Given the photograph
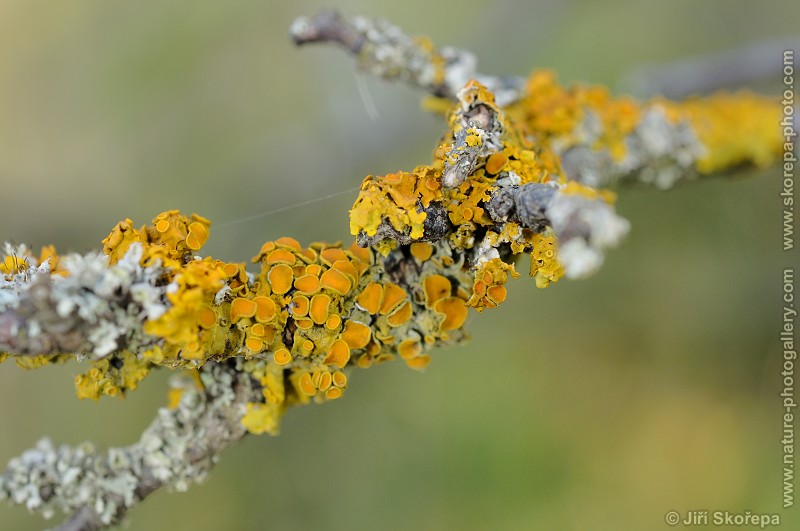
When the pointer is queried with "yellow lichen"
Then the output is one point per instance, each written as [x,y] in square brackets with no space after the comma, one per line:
[576,188]
[395,197]
[545,267]
[551,111]
[35,362]
[111,377]
[181,326]
[261,418]
[174,396]
[734,128]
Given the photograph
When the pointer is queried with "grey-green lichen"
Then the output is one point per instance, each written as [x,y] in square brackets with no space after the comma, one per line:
[111,301]
[178,449]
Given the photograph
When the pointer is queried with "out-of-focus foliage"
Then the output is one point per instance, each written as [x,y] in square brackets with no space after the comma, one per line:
[598,404]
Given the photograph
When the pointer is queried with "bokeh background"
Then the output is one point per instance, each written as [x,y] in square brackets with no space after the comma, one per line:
[598,404]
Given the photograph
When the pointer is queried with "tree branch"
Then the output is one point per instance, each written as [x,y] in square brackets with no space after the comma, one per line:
[516,173]
[707,73]
[601,141]
[179,448]
[385,51]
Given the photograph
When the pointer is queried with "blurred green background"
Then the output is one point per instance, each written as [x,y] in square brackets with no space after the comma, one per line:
[599,404]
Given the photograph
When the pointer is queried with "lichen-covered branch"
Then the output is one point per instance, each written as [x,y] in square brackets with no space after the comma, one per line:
[180,447]
[512,176]
[600,140]
[76,304]
[385,51]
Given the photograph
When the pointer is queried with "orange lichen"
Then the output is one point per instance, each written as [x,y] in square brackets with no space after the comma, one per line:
[454,310]
[181,325]
[307,284]
[734,128]
[306,385]
[419,362]
[335,281]
[300,305]
[333,322]
[280,256]
[333,393]
[116,244]
[339,379]
[489,278]
[497,294]
[348,269]
[197,236]
[262,418]
[207,318]
[254,344]
[495,163]
[401,315]
[259,330]
[338,355]
[371,297]
[576,188]
[242,308]
[436,287]
[14,264]
[304,324]
[314,269]
[393,295]
[552,111]
[421,251]
[409,348]
[362,254]
[105,378]
[318,310]
[332,254]
[266,310]
[280,278]
[231,270]
[356,334]
[289,243]
[174,396]
[282,356]
[296,324]
[324,381]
